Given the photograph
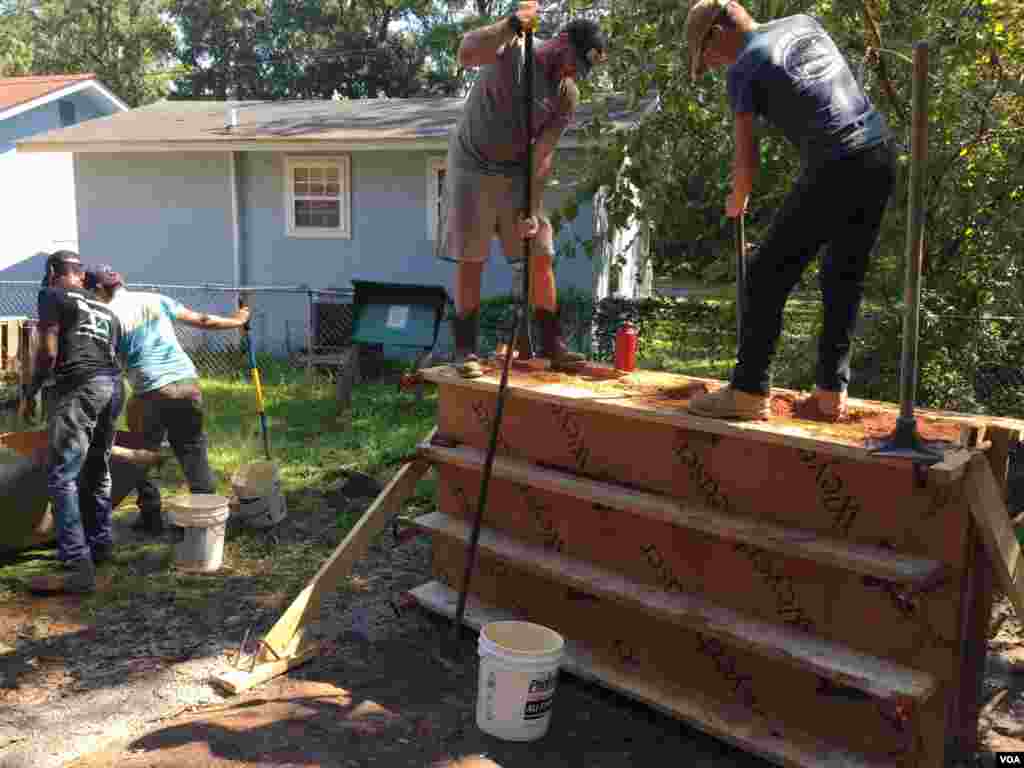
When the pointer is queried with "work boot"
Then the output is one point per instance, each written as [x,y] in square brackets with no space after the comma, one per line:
[465,330]
[827,404]
[552,345]
[732,404]
[149,521]
[102,553]
[79,576]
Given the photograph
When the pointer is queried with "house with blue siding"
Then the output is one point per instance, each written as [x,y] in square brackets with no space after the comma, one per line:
[37,192]
[300,193]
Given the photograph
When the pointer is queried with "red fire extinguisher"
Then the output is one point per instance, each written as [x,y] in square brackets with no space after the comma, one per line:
[625,347]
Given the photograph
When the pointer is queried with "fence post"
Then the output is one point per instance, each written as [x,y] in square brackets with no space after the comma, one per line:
[310,318]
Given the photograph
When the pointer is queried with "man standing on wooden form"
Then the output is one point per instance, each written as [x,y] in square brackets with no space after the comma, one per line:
[78,343]
[790,72]
[485,172]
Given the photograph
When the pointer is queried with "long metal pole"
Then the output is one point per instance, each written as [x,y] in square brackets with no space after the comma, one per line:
[915,232]
[741,276]
[520,330]
[525,345]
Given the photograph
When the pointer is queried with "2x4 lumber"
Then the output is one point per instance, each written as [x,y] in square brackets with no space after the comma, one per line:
[638,409]
[288,632]
[236,681]
[287,642]
[873,676]
[794,542]
[952,467]
[978,597]
[741,728]
[989,511]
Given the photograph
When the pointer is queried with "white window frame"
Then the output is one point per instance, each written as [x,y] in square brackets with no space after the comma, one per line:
[344,165]
[434,166]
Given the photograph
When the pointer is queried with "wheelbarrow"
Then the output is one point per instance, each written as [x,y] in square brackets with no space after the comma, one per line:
[25,516]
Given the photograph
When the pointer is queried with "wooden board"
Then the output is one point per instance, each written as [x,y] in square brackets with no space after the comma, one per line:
[288,633]
[873,676]
[580,389]
[1004,550]
[838,605]
[580,395]
[236,681]
[861,502]
[288,644]
[794,542]
[743,729]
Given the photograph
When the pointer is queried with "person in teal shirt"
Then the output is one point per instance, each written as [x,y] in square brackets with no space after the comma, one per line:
[166,398]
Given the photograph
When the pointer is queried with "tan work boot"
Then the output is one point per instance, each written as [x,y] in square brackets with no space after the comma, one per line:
[829,404]
[465,330]
[729,403]
[79,576]
[553,345]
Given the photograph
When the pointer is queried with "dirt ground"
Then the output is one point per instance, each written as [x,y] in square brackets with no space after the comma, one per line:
[129,686]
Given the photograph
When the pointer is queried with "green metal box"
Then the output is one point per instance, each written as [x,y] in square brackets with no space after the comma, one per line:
[398,314]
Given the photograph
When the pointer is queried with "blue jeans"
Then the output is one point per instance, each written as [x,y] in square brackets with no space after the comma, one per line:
[81,435]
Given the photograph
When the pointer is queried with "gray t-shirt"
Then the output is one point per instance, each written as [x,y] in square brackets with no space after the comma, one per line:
[490,136]
[791,73]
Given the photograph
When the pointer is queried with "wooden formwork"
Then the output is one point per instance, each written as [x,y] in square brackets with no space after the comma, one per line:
[10,343]
[775,584]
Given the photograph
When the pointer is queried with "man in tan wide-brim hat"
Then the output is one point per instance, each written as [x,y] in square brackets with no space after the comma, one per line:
[790,73]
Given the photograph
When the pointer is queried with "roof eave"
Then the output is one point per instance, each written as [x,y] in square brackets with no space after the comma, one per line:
[61,93]
[439,143]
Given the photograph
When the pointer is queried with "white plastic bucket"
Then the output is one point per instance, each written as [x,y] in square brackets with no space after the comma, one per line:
[260,502]
[518,676]
[202,518]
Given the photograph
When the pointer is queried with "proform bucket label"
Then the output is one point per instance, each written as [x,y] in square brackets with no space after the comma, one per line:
[540,697]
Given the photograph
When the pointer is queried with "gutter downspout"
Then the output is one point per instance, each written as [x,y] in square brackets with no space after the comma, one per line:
[236,227]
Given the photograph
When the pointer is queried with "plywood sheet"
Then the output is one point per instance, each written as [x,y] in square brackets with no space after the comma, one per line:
[651,650]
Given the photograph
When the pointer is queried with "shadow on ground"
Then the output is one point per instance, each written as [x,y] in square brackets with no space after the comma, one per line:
[395,704]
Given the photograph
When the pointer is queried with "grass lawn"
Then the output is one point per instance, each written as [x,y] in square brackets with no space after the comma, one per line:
[314,446]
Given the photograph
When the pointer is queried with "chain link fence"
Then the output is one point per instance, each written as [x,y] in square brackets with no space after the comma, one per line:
[968,363]
[287,323]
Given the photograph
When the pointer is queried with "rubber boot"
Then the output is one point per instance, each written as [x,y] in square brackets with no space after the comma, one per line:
[149,521]
[465,330]
[553,346]
[78,576]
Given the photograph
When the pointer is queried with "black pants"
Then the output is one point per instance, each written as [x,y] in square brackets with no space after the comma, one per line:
[177,412]
[839,205]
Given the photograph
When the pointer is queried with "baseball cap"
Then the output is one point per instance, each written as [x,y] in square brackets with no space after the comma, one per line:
[61,263]
[702,16]
[102,276]
[585,36]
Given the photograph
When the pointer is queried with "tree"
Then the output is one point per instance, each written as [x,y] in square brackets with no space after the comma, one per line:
[125,43]
[15,41]
[678,176]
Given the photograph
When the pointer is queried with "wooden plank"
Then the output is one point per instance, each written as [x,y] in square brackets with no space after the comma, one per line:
[985,498]
[978,597]
[873,676]
[236,681]
[791,435]
[732,724]
[289,631]
[805,544]
[952,467]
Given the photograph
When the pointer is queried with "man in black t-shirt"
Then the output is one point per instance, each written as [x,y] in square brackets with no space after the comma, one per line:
[78,343]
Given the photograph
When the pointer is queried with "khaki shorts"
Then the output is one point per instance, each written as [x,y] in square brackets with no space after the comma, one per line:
[478,206]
